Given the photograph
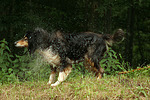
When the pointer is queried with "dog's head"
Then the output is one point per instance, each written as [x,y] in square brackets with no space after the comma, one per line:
[22,42]
[25,41]
[33,40]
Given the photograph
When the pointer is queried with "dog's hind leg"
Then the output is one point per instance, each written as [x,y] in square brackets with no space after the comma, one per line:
[96,68]
[52,76]
[63,75]
[97,56]
[100,72]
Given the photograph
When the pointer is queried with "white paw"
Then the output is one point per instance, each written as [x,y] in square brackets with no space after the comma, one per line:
[55,84]
[49,82]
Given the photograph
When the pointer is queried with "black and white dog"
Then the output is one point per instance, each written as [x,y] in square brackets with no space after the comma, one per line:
[60,50]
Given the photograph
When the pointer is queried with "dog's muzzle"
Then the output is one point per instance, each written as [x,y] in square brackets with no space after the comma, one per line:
[21,43]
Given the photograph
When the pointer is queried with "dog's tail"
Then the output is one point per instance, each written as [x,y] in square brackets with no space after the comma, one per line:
[117,37]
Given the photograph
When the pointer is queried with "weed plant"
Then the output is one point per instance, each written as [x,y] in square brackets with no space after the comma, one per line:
[32,68]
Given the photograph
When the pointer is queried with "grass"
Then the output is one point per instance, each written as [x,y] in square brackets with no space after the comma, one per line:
[88,87]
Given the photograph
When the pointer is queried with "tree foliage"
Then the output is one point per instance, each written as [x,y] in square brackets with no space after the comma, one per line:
[102,16]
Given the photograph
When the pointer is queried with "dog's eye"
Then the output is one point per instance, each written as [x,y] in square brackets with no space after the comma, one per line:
[30,37]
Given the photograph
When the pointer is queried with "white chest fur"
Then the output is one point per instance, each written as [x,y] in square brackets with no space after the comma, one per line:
[50,57]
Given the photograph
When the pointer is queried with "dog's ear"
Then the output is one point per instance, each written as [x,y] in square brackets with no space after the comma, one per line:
[28,33]
[31,41]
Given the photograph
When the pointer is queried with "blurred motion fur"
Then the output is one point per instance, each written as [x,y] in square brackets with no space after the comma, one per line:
[61,50]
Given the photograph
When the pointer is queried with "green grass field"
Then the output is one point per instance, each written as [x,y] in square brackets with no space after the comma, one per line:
[81,87]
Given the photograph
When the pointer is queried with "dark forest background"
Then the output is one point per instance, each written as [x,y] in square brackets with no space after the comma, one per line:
[101,16]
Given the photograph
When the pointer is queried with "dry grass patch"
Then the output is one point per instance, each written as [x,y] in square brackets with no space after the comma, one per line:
[79,88]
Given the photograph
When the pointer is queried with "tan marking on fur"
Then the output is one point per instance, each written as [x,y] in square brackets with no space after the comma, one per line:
[91,50]
[89,61]
[59,34]
[109,42]
[69,60]
[89,65]
[63,75]
[93,33]
[21,43]
[25,38]
[52,77]
[101,71]
[99,76]
[68,69]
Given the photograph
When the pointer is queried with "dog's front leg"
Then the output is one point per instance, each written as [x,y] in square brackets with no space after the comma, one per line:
[52,76]
[63,75]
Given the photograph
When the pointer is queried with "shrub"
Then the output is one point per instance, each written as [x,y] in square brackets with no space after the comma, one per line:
[111,63]
[6,63]
[20,68]
[29,68]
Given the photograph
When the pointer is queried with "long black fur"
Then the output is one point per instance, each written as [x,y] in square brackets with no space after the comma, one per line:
[73,46]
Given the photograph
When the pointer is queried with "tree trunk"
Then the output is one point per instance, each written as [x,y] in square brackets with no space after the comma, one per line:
[10,27]
[140,48]
[93,15]
[130,33]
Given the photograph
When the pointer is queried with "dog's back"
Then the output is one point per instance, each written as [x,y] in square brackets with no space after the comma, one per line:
[90,43]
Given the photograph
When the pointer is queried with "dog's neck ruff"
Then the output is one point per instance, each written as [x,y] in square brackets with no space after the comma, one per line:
[50,56]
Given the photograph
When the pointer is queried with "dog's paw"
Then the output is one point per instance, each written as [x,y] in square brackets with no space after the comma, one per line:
[99,76]
[49,82]
[55,84]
